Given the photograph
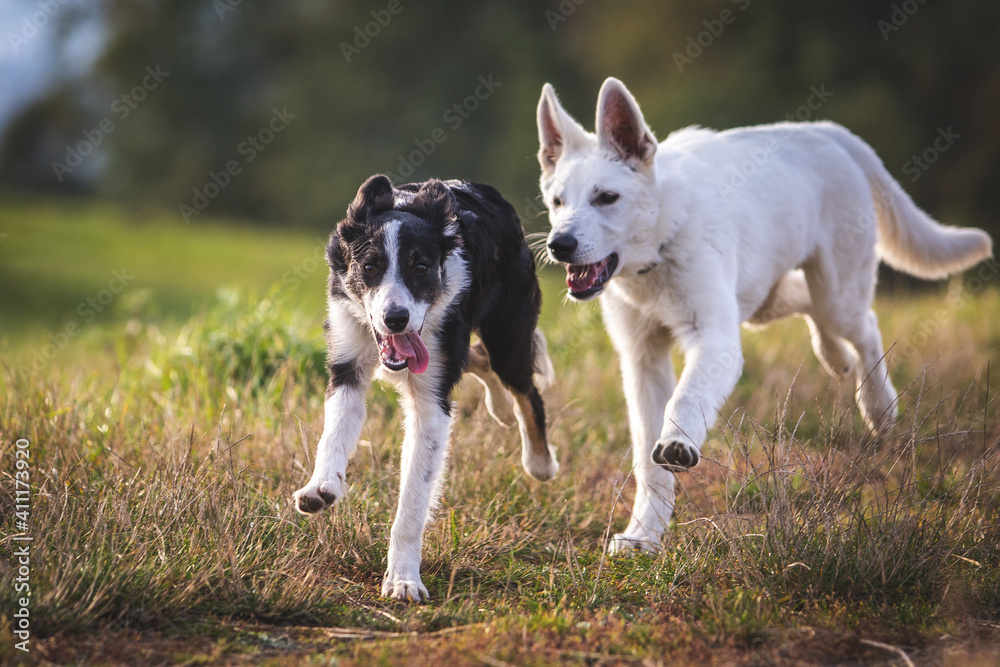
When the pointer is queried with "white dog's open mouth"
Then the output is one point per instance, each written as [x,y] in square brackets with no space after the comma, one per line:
[587,280]
[405,350]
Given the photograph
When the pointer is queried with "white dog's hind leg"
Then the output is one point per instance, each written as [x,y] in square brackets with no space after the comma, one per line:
[833,353]
[876,396]
[425,449]
[791,296]
[843,284]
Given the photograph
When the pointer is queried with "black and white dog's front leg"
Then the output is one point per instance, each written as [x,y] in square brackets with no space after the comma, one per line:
[425,449]
[344,415]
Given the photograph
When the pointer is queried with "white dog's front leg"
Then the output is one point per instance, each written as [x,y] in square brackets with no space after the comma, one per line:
[424,452]
[344,415]
[648,381]
[712,365]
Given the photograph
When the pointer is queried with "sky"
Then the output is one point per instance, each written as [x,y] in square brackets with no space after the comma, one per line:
[33,55]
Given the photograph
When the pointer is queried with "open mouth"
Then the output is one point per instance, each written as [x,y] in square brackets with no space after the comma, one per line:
[587,280]
[401,351]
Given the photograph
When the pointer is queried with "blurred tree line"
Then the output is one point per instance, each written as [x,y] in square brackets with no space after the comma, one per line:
[277,111]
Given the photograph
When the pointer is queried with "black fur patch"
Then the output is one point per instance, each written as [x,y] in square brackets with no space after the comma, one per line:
[347,373]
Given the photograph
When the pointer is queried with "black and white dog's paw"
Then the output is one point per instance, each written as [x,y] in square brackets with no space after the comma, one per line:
[675,454]
[317,496]
[542,467]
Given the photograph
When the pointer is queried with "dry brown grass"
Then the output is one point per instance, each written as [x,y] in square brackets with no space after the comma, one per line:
[163,529]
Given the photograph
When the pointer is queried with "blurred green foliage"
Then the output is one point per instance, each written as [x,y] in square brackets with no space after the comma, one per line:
[362,88]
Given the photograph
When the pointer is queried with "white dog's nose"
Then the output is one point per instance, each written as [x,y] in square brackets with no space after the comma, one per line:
[562,246]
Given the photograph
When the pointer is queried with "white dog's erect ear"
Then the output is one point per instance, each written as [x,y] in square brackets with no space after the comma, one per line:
[621,127]
[556,129]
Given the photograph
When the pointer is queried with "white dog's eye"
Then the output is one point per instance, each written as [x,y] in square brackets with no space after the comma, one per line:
[606,198]
[556,202]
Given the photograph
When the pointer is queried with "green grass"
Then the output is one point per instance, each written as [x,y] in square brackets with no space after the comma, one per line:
[167,438]
[56,255]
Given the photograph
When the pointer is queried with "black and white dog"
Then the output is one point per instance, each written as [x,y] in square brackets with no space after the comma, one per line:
[414,272]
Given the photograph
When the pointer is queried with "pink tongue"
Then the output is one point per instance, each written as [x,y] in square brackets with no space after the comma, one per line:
[581,279]
[412,348]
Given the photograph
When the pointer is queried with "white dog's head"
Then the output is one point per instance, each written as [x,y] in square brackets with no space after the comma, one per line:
[600,189]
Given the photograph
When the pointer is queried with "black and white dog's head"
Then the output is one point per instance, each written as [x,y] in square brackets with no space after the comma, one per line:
[388,256]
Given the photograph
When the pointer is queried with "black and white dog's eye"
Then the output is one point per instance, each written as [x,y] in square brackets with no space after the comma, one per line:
[606,198]
[369,268]
[420,267]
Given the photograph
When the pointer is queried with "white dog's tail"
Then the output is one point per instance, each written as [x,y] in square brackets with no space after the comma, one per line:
[909,239]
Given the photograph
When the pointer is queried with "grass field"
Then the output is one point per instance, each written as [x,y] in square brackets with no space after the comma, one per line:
[168,431]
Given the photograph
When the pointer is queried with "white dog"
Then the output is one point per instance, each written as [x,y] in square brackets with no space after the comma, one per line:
[683,253]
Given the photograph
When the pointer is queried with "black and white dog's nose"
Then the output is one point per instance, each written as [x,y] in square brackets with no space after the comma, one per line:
[396,318]
[563,246]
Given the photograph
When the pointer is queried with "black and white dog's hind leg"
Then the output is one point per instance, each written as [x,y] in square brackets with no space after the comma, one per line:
[506,405]
[518,354]
[499,402]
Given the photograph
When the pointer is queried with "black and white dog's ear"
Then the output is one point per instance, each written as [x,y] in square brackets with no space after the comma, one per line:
[557,130]
[374,196]
[621,127]
[435,204]
[336,257]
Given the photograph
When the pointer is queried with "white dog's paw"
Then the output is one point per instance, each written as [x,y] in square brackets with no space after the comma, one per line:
[541,467]
[317,496]
[404,590]
[676,454]
[622,544]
